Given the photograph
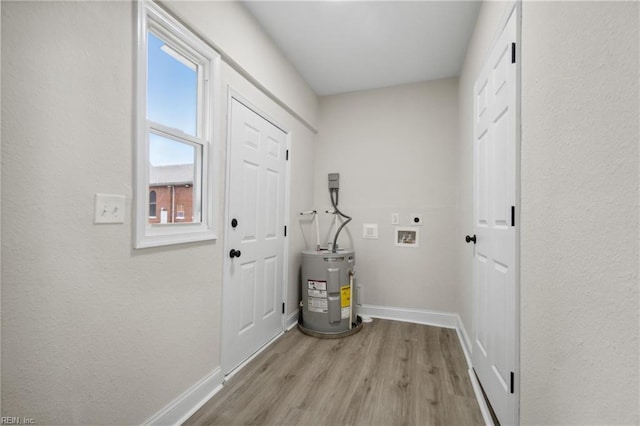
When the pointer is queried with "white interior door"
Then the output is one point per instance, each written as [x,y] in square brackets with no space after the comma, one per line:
[495,266]
[254,244]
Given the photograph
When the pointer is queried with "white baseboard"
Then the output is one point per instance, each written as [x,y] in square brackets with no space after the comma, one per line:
[484,409]
[185,405]
[435,318]
[464,340]
[291,320]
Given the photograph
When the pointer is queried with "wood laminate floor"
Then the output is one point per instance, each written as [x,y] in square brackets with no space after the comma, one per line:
[390,373]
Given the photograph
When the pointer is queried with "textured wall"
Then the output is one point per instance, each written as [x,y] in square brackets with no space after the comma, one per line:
[580,117]
[94,332]
[395,150]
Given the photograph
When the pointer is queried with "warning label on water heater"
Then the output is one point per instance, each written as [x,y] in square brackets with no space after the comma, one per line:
[317,288]
[317,305]
[317,285]
[317,292]
[345,296]
[345,301]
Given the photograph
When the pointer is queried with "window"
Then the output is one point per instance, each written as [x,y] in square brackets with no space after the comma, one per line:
[176,74]
[152,204]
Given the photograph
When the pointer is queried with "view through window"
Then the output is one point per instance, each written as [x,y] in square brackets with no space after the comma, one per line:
[172,101]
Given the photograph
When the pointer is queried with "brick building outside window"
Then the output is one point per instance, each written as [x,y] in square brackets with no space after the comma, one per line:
[171,194]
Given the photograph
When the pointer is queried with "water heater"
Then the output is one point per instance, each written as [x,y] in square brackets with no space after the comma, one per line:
[328,294]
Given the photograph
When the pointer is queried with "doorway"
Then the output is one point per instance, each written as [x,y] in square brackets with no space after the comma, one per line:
[254,279]
[495,349]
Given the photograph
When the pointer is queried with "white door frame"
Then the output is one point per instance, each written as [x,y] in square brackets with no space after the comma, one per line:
[515,9]
[233,93]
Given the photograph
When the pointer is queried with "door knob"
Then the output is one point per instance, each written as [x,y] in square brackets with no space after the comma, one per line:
[234,223]
[234,253]
[469,239]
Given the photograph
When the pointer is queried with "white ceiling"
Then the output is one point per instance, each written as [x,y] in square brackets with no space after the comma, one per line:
[345,46]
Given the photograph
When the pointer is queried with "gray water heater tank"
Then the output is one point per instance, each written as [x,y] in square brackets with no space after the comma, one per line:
[328,300]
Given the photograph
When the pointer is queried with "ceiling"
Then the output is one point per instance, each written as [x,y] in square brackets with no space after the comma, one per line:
[345,46]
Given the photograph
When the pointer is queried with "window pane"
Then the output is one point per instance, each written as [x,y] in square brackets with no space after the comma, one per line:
[172,87]
[174,176]
[152,204]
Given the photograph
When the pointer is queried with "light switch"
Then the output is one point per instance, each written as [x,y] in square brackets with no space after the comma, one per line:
[395,218]
[109,208]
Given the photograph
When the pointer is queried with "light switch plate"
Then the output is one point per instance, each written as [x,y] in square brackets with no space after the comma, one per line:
[109,208]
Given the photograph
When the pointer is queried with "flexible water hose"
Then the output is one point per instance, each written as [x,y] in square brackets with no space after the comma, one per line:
[335,207]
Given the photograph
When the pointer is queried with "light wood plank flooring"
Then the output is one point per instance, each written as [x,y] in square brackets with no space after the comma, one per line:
[390,373]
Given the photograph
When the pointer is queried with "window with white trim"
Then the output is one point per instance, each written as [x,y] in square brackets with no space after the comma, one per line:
[175,79]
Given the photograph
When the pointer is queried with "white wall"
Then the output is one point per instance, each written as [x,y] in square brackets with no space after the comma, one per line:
[235,33]
[395,150]
[94,332]
[580,118]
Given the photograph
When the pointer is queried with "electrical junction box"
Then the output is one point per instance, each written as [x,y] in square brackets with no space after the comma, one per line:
[334,180]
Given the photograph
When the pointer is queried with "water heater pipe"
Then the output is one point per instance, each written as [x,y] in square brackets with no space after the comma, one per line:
[335,207]
[350,299]
[315,218]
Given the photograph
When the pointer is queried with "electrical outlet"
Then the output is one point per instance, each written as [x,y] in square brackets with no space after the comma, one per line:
[109,208]
[395,218]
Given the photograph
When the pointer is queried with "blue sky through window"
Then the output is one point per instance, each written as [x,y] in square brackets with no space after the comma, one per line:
[172,93]
[165,152]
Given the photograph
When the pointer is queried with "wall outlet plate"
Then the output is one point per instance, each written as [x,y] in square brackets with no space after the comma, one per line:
[370,231]
[109,208]
[395,218]
[416,220]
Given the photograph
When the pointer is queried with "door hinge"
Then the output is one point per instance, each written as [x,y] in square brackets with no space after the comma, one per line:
[283,313]
[513,53]
[285,231]
[513,215]
[287,155]
[512,382]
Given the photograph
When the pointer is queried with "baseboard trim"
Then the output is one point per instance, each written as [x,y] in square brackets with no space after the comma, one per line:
[185,405]
[464,340]
[292,320]
[418,316]
[484,409]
